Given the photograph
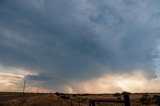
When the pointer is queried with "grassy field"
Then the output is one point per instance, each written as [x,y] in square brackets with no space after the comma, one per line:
[60,99]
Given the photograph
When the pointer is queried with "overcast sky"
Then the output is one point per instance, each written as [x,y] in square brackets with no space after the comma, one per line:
[80,45]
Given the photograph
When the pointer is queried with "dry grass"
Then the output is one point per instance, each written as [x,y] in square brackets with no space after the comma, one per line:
[53,100]
[42,100]
[46,100]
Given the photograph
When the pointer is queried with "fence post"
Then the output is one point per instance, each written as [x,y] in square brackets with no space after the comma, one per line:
[60,103]
[71,103]
[126,99]
[92,103]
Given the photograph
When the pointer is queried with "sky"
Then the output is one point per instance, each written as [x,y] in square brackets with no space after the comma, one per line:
[80,46]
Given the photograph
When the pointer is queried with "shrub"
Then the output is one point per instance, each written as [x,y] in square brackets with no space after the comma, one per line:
[118,95]
[156,99]
[57,94]
[65,97]
[123,93]
[145,99]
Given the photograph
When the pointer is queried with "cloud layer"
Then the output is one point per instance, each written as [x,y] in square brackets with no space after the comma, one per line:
[68,40]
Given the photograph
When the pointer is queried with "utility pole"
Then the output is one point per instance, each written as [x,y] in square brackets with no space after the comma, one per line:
[37,89]
[24,86]
[42,90]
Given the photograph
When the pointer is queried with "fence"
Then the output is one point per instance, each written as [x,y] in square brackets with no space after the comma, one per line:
[126,100]
[70,103]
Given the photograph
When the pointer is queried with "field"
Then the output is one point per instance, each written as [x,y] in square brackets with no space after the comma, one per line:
[60,99]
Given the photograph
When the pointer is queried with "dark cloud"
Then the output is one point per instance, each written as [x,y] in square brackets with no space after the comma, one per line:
[39,77]
[70,39]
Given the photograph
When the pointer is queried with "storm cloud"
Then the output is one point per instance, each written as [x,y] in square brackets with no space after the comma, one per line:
[67,40]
